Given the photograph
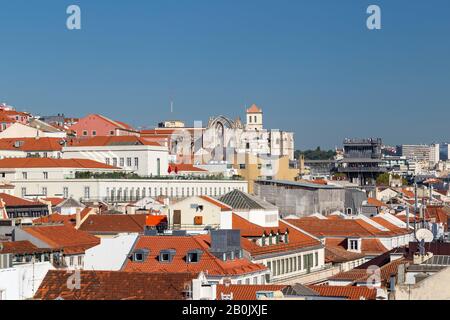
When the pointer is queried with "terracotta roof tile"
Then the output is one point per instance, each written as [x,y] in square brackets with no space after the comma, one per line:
[182,245]
[221,205]
[102,141]
[338,255]
[53,200]
[361,275]
[53,163]
[31,144]
[185,167]
[62,236]
[114,223]
[57,218]
[297,239]
[12,201]
[334,227]
[376,203]
[17,247]
[109,285]
[348,292]
[254,109]
[369,246]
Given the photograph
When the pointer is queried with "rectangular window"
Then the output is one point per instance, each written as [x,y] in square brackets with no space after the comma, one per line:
[85,133]
[115,162]
[44,191]
[299,263]
[45,175]
[65,192]
[111,133]
[316,260]
[24,176]
[87,192]
[122,162]
[129,162]
[80,260]
[24,192]
[136,162]
[353,244]
[94,133]
[107,161]
[242,166]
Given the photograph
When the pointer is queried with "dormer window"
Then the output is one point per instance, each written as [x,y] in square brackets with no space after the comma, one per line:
[354,245]
[166,256]
[140,255]
[232,255]
[194,256]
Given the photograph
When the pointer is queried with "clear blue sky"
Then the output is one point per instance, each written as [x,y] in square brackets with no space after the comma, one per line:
[313,66]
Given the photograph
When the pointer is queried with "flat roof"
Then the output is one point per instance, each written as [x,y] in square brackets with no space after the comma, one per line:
[300,184]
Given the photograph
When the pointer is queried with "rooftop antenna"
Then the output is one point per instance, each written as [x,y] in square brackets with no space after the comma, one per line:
[423,236]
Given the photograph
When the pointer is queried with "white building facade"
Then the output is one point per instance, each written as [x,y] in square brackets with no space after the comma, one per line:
[145,160]
[124,190]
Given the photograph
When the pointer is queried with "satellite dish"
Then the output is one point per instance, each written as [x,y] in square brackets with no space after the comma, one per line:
[425,235]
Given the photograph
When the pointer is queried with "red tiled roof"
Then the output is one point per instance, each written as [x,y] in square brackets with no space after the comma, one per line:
[118,124]
[63,236]
[54,201]
[53,163]
[185,167]
[349,292]
[375,202]
[6,119]
[254,109]
[438,214]
[12,201]
[297,239]
[116,285]
[217,203]
[17,247]
[361,275]
[370,246]
[383,222]
[13,113]
[57,218]
[31,144]
[114,223]
[335,254]
[101,141]
[208,262]
[407,193]
[339,227]
[245,292]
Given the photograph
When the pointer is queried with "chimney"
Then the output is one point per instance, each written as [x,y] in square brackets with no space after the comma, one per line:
[78,219]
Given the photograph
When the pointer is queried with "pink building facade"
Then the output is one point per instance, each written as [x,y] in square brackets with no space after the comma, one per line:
[97,125]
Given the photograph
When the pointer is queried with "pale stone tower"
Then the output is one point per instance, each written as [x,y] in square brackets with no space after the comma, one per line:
[254,118]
